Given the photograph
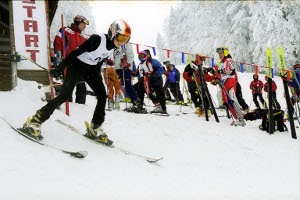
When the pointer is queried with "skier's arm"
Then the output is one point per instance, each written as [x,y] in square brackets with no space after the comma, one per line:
[89,45]
[150,68]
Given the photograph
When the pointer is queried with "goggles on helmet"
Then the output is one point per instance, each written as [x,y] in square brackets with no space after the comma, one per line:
[221,49]
[122,38]
[87,22]
[142,56]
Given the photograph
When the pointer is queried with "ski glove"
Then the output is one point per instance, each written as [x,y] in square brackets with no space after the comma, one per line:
[56,73]
[109,62]
[125,64]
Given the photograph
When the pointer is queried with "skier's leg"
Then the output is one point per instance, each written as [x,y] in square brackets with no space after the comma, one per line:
[32,125]
[255,101]
[80,93]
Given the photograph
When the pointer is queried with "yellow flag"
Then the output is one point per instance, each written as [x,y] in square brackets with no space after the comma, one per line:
[269,61]
[280,54]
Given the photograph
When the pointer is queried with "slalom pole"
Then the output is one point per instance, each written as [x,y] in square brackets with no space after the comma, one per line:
[63,56]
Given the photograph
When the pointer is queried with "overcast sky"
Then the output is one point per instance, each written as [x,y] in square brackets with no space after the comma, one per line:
[144,17]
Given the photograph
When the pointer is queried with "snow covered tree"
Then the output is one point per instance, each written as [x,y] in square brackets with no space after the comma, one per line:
[247,28]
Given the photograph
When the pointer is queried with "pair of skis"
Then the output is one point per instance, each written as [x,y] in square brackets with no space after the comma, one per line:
[203,90]
[283,73]
[76,154]
[72,128]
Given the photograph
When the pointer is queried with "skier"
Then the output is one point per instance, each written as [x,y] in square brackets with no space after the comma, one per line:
[144,69]
[228,81]
[73,37]
[275,103]
[156,85]
[174,79]
[192,77]
[167,83]
[256,86]
[84,63]
[124,64]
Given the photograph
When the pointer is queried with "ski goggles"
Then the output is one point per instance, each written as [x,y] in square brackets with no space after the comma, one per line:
[86,21]
[221,49]
[122,38]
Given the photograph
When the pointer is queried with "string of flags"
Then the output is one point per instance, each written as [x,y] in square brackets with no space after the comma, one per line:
[241,64]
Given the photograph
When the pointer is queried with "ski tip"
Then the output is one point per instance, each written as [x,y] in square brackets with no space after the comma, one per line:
[79,154]
[151,160]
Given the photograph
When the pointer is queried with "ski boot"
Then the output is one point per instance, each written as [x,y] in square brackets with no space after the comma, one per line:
[239,122]
[197,110]
[117,102]
[136,107]
[32,127]
[157,109]
[201,112]
[164,112]
[92,132]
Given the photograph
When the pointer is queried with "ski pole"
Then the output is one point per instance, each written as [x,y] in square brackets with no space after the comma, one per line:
[124,84]
[51,85]
[106,70]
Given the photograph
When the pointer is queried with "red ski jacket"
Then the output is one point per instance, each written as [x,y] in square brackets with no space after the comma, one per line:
[73,39]
[274,86]
[256,86]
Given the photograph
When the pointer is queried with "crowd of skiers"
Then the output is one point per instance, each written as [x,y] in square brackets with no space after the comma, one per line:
[82,59]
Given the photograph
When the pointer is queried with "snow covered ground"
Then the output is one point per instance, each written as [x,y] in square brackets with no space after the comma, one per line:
[201,160]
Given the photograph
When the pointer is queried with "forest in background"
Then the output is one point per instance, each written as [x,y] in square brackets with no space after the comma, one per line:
[247,28]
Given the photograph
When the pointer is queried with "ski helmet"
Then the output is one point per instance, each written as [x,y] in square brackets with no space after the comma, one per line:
[296,66]
[80,19]
[255,76]
[120,30]
[143,56]
[224,49]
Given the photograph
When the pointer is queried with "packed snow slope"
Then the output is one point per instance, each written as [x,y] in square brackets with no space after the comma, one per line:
[201,160]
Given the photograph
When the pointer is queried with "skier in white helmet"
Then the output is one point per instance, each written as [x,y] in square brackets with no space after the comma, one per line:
[84,63]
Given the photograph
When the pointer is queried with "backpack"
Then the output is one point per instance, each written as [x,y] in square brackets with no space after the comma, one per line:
[254,115]
[278,121]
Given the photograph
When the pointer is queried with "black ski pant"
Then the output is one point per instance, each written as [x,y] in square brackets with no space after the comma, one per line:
[175,89]
[80,93]
[75,73]
[156,89]
[239,96]
[261,99]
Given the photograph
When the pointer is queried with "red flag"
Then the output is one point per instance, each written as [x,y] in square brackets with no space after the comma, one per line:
[256,69]
[289,75]
[168,53]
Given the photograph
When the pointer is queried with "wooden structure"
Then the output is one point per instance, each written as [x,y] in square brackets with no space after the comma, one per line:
[8,69]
